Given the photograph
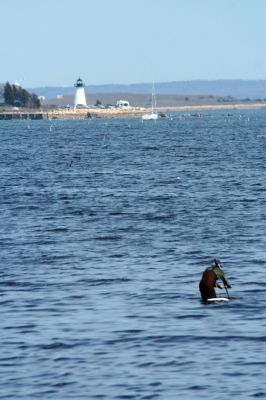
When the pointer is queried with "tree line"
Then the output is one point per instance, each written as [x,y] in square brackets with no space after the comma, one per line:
[15,95]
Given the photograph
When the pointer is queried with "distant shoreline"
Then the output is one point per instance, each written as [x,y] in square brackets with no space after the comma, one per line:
[139,111]
[119,113]
[235,106]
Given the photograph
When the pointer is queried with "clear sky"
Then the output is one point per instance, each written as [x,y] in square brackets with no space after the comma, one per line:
[52,42]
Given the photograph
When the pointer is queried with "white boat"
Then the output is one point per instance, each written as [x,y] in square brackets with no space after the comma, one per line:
[152,114]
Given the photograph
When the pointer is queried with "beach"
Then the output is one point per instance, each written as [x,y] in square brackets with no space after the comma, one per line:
[139,111]
[131,112]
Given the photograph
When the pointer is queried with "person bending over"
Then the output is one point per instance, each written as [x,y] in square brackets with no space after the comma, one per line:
[208,280]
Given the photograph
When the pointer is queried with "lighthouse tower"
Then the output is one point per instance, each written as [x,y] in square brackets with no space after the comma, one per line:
[80,98]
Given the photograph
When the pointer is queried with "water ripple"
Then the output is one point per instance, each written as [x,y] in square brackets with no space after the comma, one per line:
[104,234]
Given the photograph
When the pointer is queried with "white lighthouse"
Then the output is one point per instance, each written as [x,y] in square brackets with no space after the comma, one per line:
[80,98]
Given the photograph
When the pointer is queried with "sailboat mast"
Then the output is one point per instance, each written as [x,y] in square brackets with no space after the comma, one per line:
[153,98]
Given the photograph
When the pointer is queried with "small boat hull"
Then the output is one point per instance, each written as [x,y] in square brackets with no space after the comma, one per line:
[150,116]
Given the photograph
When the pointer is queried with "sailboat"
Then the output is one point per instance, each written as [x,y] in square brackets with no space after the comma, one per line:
[152,114]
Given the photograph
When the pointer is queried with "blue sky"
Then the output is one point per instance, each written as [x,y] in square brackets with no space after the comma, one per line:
[52,42]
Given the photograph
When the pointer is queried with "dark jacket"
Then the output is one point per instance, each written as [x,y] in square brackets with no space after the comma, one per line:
[208,281]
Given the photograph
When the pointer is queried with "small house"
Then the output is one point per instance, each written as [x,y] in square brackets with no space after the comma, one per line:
[122,104]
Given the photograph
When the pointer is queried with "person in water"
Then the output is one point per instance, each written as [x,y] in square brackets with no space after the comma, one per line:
[208,280]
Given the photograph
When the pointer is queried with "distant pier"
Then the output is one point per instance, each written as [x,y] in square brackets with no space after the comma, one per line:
[20,115]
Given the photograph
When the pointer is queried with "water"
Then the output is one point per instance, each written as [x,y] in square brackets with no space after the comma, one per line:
[106,227]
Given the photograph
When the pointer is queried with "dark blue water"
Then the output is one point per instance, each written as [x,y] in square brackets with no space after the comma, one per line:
[106,227]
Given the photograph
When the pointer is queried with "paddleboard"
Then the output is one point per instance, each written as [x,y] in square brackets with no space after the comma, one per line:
[217,299]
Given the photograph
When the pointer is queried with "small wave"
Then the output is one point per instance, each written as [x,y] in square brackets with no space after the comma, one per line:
[117,256]
[129,331]
[83,212]
[160,198]
[16,284]
[117,213]
[58,229]
[191,316]
[107,281]
[62,384]
[108,237]
[56,345]
[170,339]
[156,217]
[149,148]
[198,387]
[259,394]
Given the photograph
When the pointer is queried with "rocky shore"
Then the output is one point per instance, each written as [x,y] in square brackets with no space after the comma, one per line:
[131,112]
[96,113]
[139,111]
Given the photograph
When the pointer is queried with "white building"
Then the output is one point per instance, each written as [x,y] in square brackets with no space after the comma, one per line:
[80,98]
[122,104]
